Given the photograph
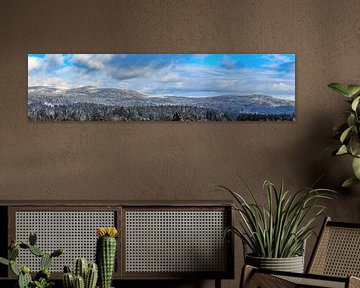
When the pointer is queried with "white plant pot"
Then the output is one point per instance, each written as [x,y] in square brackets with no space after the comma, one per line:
[291,264]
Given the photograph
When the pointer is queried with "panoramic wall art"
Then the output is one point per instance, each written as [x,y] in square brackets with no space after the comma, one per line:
[161,87]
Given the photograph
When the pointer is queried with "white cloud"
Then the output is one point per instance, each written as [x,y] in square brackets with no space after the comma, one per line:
[48,81]
[275,60]
[227,62]
[34,63]
[281,86]
[131,72]
[52,61]
[48,63]
[92,61]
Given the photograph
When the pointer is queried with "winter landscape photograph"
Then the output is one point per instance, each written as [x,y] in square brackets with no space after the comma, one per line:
[161,87]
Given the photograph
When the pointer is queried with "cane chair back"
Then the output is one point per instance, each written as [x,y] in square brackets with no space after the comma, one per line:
[337,252]
[335,262]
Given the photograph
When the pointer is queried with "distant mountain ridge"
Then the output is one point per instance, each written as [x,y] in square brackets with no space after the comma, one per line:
[257,103]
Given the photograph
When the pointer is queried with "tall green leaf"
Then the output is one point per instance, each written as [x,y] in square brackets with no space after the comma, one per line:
[356,167]
[345,134]
[340,88]
[355,103]
[353,89]
[342,150]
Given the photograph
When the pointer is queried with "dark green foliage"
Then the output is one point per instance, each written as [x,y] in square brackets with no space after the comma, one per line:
[176,117]
[37,111]
[348,132]
[265,117]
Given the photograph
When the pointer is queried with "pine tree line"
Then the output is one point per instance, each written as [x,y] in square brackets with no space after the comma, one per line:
[98,112]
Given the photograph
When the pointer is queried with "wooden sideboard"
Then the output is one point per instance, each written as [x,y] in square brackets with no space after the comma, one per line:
[164,240]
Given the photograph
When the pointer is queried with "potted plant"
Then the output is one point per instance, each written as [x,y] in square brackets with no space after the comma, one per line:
[275,233]
[84,274]
[106,254]
[42,278]
[348,133]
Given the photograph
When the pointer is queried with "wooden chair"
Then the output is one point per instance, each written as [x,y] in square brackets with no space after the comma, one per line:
[335,262]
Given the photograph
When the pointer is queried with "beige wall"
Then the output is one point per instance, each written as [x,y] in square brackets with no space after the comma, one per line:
[177,160]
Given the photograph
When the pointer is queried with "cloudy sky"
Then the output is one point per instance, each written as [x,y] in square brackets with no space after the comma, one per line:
[191,75]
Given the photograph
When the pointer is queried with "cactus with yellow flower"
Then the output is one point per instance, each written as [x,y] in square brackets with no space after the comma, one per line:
[106,254]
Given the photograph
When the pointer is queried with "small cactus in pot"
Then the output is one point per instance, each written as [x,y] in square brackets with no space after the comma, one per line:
[85,275]
[106,254]
[91,276]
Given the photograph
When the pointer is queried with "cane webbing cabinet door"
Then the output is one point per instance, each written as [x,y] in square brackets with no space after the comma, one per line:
[176,242]
[71,228]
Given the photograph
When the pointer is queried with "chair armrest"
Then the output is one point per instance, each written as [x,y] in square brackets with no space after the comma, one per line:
[252,277]
[354,282]
[255,277]
[246,274]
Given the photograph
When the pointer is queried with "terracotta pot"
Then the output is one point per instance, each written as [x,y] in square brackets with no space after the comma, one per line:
[291,264]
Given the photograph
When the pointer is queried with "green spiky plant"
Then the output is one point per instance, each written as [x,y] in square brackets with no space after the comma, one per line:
[42,278]
[106,254]
[85,275]
[279,229]
[348,132]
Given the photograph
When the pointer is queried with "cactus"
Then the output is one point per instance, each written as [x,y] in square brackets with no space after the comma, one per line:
[68,280]
[80,268]
[45,261]
[32,238]
[90,272]
[24,280]
[14,268]
[79,282]
[13,253]
[36,251]
[57,253]
[91,276]
[105,254]
[24,245]
[42,278]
